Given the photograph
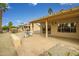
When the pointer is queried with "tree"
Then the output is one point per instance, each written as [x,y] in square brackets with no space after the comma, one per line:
[50,12]
[10,25]
[5,27]
[61,10]
[3,8]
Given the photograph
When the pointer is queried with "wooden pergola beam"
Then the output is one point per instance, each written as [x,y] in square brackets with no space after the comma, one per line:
[60,15]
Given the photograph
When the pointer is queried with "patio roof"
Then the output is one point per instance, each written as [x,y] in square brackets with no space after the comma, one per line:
[73,12]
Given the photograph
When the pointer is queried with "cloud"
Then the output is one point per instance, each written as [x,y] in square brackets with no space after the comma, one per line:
[18,21]
[8,6]
[66,3]
[33,4]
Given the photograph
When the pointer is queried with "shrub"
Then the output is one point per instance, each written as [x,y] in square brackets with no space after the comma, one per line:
[49,54]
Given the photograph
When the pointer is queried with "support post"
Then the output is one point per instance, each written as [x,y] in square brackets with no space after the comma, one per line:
[32,27]
[41,28]
[46,28]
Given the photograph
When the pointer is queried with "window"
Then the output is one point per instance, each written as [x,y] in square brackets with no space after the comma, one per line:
[67,27]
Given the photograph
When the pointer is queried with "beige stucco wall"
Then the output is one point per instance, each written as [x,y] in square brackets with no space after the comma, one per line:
[36,27]
[54,27]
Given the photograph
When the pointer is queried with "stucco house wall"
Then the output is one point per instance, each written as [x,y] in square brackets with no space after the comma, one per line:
[54,28]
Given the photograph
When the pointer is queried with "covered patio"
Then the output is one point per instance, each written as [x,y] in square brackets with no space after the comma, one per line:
[71,15]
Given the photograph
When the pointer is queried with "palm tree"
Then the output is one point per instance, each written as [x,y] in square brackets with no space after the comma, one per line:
[3,8]
[50,12]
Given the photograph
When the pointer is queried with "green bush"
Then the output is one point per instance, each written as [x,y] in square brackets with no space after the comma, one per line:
[67,54]
[49,54]
[5,27]
[77,54]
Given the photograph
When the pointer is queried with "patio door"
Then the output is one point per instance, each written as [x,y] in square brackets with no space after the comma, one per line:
[49,29]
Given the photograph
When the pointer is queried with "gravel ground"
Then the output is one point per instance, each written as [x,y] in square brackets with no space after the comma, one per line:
[61,50]
[38,45]
[6,45]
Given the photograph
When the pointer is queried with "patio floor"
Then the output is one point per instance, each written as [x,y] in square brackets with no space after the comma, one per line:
[36,44]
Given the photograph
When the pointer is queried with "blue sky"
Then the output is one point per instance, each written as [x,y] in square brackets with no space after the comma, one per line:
[24,12]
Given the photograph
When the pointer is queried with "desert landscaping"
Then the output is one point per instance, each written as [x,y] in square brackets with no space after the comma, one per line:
[56,34]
